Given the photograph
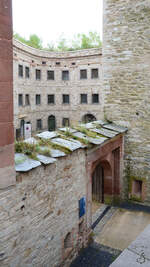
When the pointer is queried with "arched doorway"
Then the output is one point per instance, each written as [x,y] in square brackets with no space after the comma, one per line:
[98,184]
[51,123]
[88,118]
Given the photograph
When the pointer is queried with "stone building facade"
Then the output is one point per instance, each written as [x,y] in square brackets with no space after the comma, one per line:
[126,83]
[52,89]
[7,171]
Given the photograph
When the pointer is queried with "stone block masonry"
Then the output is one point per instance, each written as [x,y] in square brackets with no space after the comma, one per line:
[7,173]
[46,218]
[37,214]
[126,81]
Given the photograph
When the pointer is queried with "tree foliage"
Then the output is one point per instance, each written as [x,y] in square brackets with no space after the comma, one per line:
[33,40]
[79,41]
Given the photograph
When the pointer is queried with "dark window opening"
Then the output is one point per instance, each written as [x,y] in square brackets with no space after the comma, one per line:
[65,75]
[39,124]
[65,99]
[38,74]
[38,99]
[27,72]
[67,241]
[32,61]
[20,70]
[50,75]
[73,63]
[20,100]
[83,98]
[18,134]
[43,62]
[27,100]
[88,118]
[83,74]
[65,122]
[57,63]
[95,98]
[94,73]
[50,99]
[137,188]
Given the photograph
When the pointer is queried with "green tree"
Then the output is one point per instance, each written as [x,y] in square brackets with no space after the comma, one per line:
[20,38]
[35,41]
[79,41]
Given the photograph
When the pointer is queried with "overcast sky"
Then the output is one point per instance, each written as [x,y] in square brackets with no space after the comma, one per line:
[50,18]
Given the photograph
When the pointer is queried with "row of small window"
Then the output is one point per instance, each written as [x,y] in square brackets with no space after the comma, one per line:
[39,126]
[51,74]
[51,99]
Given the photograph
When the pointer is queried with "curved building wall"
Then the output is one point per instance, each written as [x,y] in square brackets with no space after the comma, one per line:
[84,62]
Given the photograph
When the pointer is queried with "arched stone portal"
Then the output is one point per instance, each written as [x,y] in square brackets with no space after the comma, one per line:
[88,118]
[102,186]
[51,123]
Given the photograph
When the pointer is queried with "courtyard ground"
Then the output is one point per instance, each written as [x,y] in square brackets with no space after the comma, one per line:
[113,233]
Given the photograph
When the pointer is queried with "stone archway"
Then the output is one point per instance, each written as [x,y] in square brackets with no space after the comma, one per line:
[102,182]
[51,123]
[88,118]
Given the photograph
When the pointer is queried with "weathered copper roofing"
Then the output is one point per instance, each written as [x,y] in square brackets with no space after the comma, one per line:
[64,137]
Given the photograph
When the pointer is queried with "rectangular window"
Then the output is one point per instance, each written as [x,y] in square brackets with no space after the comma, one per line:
[39,124]
[83,98]
[38,99]
[27,100]
[65,75]
[38,74]
[65,99]
[20,70]
[95,98]
[50,99]
[27,72]
[65,122]
[58,63]
[50,75]
[20,100]
[83,74]
[94,73]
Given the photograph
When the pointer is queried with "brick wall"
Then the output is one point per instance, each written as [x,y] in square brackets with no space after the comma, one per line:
[7,175]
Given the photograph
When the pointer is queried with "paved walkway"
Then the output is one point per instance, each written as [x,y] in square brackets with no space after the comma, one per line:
[121,229]
[115,231]
[137,254]
[95,256]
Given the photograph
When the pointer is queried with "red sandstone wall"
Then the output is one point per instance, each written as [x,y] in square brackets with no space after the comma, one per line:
[7,174]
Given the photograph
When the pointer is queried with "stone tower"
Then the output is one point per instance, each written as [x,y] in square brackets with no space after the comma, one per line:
[126,87]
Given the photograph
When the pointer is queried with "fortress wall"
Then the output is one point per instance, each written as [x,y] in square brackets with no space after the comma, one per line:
[126,86]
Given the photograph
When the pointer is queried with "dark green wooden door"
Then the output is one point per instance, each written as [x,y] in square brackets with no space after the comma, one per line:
[51,123]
